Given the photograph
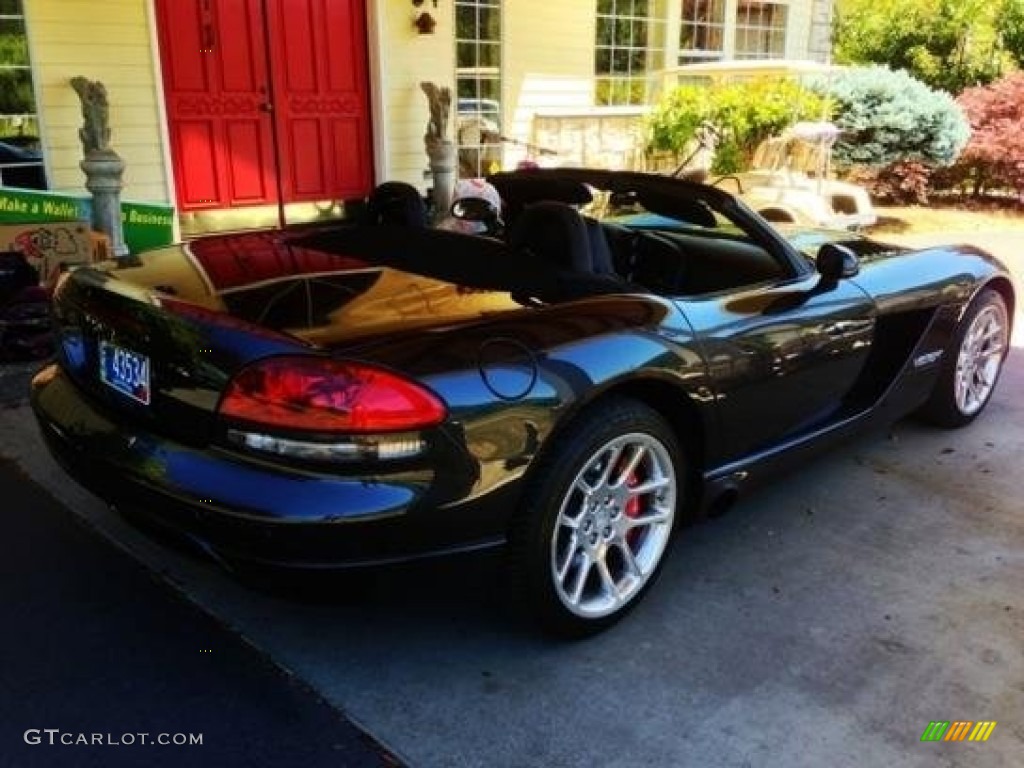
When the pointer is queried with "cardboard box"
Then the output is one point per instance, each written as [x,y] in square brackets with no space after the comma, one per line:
[49,246]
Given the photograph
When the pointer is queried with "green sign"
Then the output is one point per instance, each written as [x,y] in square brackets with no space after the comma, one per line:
[22,206]
[146,225]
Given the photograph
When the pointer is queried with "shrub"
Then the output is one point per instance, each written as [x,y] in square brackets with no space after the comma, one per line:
[743,115]
[889,116]
[994,157]
[905,182]
[675,120]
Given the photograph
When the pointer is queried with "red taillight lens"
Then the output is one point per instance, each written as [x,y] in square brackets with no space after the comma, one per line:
[319,395]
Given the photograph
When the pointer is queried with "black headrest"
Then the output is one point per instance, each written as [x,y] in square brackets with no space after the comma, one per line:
[395,203]
[520,190]
[556,233]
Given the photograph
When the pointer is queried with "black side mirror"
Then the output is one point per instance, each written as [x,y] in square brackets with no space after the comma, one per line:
[836,262]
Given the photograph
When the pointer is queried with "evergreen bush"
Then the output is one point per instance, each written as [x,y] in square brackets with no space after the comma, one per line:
[888,116]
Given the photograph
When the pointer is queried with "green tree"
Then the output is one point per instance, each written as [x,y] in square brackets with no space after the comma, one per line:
[743,114]
[1010,23]
[948,44]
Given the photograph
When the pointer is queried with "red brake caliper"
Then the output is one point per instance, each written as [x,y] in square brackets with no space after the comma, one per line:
[632,507]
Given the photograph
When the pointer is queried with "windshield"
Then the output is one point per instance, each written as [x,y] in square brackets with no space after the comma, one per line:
[790,154]
[642,211]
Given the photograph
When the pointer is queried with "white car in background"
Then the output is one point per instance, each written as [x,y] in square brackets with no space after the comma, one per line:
[790,182]
[790,179]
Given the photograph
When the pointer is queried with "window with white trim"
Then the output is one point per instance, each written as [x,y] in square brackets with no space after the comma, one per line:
[701,31]
[761,30]
[21,155]
[630,49]
[478,86]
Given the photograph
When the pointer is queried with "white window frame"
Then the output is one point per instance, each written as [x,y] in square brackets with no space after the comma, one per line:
[479,117]
[696,54]
[748,30]
[675,54]
[36,96]
[657,22]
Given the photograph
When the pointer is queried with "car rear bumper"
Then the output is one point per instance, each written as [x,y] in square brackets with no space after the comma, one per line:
[242,509]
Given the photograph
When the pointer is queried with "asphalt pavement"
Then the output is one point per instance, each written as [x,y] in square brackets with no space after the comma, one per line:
[104,664]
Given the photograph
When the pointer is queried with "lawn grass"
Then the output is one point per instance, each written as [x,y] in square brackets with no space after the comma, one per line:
[918,219]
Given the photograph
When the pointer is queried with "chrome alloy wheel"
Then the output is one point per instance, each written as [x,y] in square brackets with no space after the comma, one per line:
[613,525]
[981,355]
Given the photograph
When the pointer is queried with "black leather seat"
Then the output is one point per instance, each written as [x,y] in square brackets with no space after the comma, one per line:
[395,203]
[600,249]
[557,235]
[658,264]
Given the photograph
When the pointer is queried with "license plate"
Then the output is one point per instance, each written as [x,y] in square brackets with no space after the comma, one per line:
[125,371]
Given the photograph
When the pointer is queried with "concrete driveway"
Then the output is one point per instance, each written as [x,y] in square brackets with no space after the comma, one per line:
[824,622]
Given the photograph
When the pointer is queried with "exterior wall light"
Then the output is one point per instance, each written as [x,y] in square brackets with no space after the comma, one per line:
[424,21]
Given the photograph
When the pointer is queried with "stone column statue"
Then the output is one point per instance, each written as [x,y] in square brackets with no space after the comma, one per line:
[103,167]
[440,149]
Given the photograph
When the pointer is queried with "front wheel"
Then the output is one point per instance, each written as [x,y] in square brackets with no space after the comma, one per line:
[968,374]
[597,518]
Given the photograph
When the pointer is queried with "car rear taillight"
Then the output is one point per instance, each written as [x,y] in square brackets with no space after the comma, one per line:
[312,394]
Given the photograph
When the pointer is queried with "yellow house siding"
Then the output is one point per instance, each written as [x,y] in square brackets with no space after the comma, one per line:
[405,59]
[547,61]
[819,37]
[548,50]
[106,40]
[798,32]
[544,65]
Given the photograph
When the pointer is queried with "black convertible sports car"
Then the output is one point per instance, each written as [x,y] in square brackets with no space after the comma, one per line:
[630,351]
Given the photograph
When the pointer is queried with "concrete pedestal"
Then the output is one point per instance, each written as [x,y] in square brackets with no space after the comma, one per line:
[442,155]
[104,171]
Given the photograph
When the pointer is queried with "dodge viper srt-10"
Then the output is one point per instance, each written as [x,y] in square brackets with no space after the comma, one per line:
[627,351]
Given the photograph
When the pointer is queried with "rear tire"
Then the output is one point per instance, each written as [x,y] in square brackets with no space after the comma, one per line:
[972,364]
[597,518]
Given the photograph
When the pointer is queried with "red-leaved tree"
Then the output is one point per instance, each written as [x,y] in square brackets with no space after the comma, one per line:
[994,157]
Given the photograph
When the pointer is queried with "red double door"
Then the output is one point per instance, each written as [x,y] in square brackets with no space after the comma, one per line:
[267,100]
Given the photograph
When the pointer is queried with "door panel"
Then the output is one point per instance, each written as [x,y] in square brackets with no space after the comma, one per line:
[241,58]
[345,133]
[320,79]
[195,140]
[215,85]
[308,168]
[180,32]
[782,357]
[223,112]
[248,174]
